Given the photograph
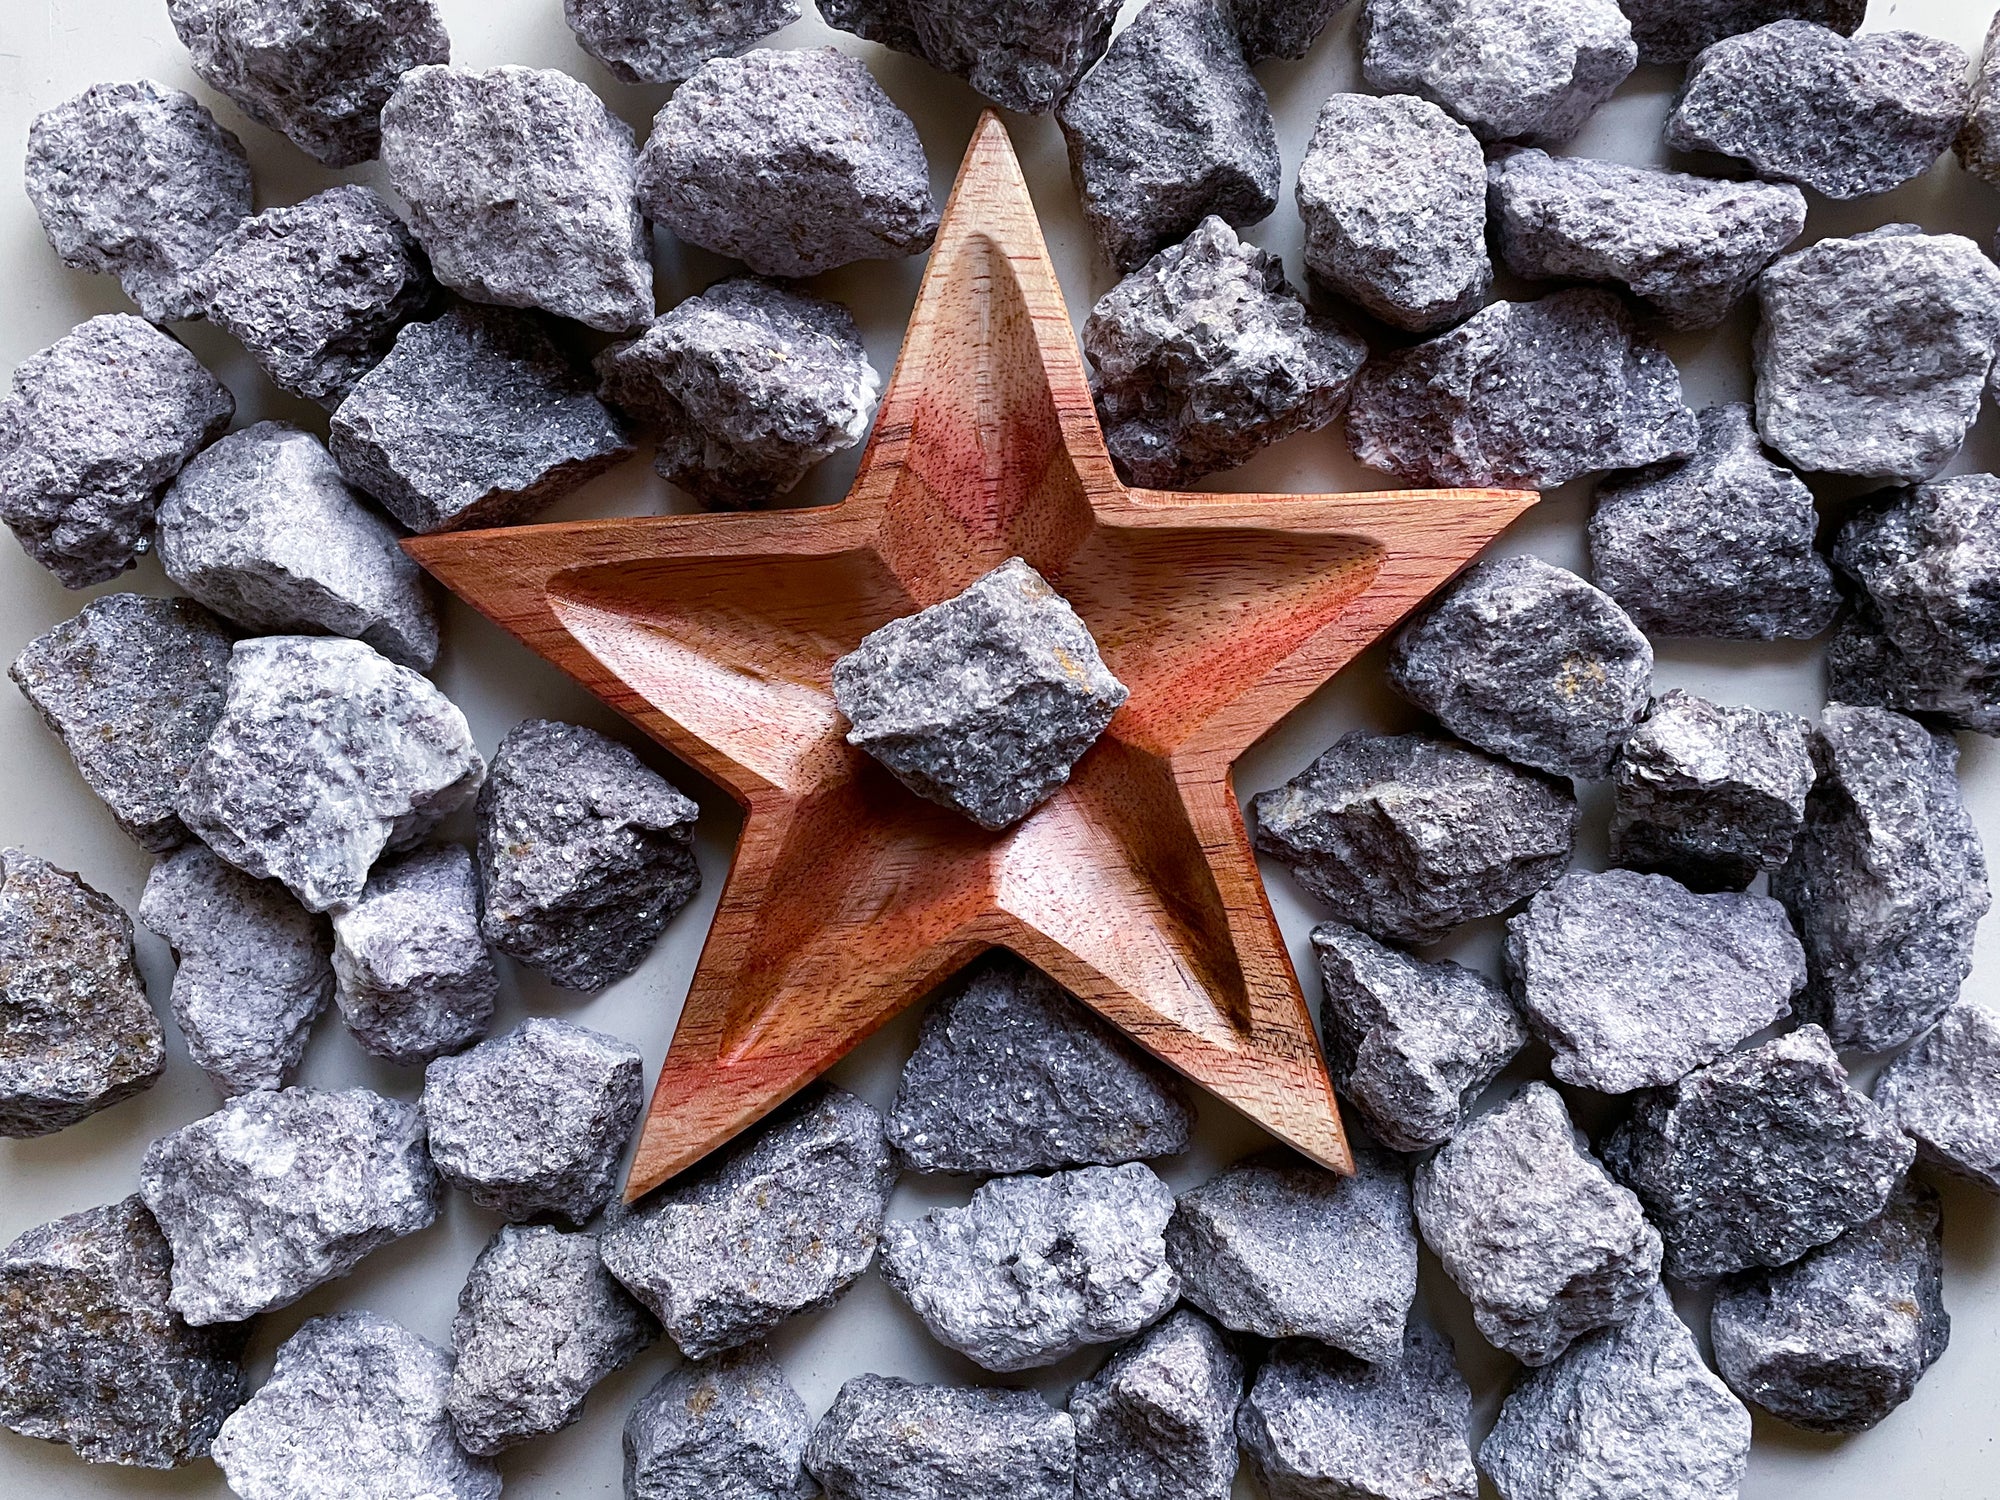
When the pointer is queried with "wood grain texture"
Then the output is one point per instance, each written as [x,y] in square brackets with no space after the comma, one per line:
[1135,885]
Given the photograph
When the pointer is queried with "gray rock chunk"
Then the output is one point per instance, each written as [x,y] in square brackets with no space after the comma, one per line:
[415,978]
[585,853]
[1159,1421]
[1978,141]
[1526,660]
[794,162]
[96,427]
[1023,55]
[887,1439]
[727,1428]
[255,968]
[277,1193]
[1944,1093]
[1887,881]
[1674,31]
[1206,354]
[1013,1074]
[137,181]
[133,687]
[800,1202]
[665,41]
[1281,28]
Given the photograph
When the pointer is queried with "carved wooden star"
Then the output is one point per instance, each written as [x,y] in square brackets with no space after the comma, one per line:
[1134,885]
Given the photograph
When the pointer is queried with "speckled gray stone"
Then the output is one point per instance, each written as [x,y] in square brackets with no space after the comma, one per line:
[1281,28]
[1526,660]
[1023,54]
[1533,1230]
[279,1192]
[1978,141]
[354,1410]
[536,1121]
[137,181]
[1887,882]
[133,686]
[799,1201]
[1945,1094]
[1206,354]
[887,1439]
[255,968]
[416,980]
[1159,1421]
[794,162]
[1406,836]
[664,41]
[1013,1074]
[1845,116]
[97,426]
[1674,31]
[585,854]
[727,1428]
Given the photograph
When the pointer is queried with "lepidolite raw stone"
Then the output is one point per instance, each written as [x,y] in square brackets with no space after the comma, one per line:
[355,1407]
[1755,1159]
[1836,1341]
[800,1203]
[794,162]
[1526,660]
[887,1439]
[279,1192]
[416,980]
[1533,1230]
[536,1121]
[1945,1094]
[664,41]
[1013,1074]
[748,386]
[1206,354]
[1159,1421]
[92,1356]
[97,426]
[1023,54]
[1887,881]
[727,1428]
[76,1032]
[133,686]
[585,853]
[1979,140]
[1674,31]
[137,181]
[255,968]
[1281,28]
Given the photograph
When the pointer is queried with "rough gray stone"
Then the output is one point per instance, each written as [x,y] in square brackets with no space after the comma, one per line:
[983,702]
[1720,546]
[1477,406]
[137,181]
[536,1121]
[1206,354]
[1013,1074]
[1979,139]
[1674,31]
[1406,836]
[1533,1230]
[354,1410]
[133,686]
[1887,881]
[800,1202]
[748,385]
[585,854]
[794,162]
[1756,1158]
[1281,28]
[277,1193]
[1023,54]
[416,980]
[1631,1413]
[887,1439]
[1944,1093]
[1845,116]
[727,1428]
[76,1032]
[665,41]
[255,968]
[1159,1421]
[1526,660]
[97,426]
[1836,1341]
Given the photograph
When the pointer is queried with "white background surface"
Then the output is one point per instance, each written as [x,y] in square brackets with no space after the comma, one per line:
[1940,1446]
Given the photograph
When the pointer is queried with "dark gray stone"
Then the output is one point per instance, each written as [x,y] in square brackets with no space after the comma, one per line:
[416,980]
[1159,1421]
[1979,139]
[1023,54]
[665,41]
[727,1428]
[1674,31]
[1281,28]
[887,1439]
[1944,1093]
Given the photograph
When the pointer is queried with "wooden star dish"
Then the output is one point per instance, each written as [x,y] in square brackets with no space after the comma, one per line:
[1135,885]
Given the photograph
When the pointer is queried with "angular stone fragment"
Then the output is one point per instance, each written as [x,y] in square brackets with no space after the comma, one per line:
[984,702]
[1979,139]
[800,1202]
[1013,1074]
[1845,116]
[1406,836]
[1945,1094]
[137,181]
[97,426]
[1526,660]
[1674,31]
[1281,28]
[255,968]
[1887,881]
[794,162]
[277,1193]
[1023,55]
[416,980]
[665,41]
[355,1407]
[748,385]
[1533,1230]
[1836,1341]
[585,853]
[1206,354]
[887,1439]
[729,1427]
[133,686]
[1471,407]
[1159,1421]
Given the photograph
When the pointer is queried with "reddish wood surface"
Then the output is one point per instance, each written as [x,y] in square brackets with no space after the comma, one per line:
[1135,885]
